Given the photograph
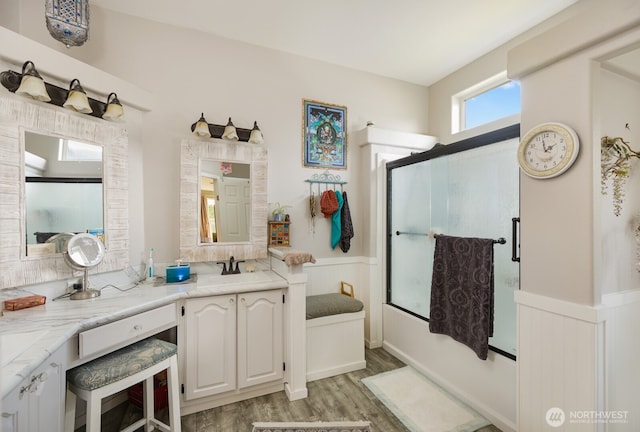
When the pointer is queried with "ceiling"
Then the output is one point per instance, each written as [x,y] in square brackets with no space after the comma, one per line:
[419,41]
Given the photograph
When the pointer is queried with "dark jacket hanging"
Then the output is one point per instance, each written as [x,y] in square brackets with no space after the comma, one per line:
[347,226]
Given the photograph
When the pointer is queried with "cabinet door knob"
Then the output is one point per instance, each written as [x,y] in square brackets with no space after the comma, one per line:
[230,300]
[137,327]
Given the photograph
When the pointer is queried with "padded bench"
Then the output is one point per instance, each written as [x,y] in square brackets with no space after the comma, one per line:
[335,335]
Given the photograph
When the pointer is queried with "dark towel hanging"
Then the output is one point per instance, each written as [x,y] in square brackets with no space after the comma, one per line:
[347,226]
[462,291]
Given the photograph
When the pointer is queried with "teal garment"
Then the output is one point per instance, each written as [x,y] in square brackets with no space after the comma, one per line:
[336,222]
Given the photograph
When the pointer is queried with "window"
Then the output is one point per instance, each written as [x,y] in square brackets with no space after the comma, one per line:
[69,150]
[491,100]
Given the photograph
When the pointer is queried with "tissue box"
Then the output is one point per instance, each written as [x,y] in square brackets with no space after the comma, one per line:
[178,273]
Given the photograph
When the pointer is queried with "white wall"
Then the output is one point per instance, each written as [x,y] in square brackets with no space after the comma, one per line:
[619,104]
[190,72]
[9,15]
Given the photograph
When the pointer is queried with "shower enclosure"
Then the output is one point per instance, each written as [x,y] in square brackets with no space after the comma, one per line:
[465,189]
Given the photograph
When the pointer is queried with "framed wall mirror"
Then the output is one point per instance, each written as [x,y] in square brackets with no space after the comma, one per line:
[223,200]
[21,124]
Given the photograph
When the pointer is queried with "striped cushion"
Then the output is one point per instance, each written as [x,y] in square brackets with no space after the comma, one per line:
[120,364]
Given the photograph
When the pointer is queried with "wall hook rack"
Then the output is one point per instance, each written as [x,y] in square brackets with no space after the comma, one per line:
[327,179]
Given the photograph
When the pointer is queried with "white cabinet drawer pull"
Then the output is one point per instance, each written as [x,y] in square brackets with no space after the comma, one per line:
[137,327]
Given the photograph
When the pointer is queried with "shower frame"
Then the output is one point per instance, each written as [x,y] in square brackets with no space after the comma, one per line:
[440,150]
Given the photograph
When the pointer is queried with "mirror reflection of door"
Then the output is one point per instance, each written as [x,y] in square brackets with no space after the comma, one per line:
[234,202]
[225,201]
[208,198]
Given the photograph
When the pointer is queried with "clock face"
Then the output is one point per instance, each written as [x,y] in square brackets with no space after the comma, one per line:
[548,150]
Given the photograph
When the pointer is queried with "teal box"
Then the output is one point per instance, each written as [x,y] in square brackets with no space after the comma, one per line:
[178,273]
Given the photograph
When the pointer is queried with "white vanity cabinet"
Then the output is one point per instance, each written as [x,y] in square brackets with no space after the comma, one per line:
[37,404]
[230,344]
[260,338]
[209,346]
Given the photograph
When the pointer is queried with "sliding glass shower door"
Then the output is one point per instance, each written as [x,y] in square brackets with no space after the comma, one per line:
[469,189]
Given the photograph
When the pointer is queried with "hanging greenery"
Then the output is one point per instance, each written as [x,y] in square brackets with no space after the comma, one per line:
[615,165]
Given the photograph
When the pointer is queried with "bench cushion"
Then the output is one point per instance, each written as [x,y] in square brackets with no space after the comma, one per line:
[331,304]
[120,364]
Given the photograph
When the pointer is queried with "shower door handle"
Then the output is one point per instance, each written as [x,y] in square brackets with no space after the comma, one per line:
[514,239]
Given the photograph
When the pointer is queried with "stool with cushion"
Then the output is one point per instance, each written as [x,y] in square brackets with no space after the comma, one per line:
[120,370]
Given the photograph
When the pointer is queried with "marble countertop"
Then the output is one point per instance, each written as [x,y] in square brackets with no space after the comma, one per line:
[34,334]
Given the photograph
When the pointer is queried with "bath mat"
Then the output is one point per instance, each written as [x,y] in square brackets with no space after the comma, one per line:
[422,405]
[359,426]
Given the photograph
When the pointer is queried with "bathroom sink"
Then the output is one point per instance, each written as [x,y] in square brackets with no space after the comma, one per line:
[259,277]
[14,344]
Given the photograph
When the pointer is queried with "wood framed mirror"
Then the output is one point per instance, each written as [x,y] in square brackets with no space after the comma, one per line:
[197,158]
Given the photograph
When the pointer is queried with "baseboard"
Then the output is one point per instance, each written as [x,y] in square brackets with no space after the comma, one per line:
[495,418]
[372,344]
[207,402]
[295,395]
[342,369]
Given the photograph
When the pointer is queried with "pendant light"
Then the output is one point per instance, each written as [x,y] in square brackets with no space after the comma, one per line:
[201,128]
[256,134]
[77,99]
[230,132]
[32,84]
[114,110]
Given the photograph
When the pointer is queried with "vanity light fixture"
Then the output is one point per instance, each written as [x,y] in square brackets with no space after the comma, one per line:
[201,128]
[77,99]
[209,130]
[256,134]
[32,84]
[114,110]
[230,132]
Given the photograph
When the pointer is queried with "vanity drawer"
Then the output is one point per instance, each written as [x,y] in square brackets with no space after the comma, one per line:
[120,333]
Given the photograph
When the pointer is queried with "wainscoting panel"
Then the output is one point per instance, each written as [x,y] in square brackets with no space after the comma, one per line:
[559,368]
[622,355]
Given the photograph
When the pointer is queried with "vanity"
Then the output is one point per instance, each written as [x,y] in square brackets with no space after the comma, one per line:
[244,357]
[258,346]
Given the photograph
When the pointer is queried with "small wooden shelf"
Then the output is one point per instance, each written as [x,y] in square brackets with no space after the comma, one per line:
[279,234]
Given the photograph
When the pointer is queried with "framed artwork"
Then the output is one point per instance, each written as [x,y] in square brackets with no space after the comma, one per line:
[324,135]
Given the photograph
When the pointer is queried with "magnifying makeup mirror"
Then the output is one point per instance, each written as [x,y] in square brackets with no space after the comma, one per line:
[84,251]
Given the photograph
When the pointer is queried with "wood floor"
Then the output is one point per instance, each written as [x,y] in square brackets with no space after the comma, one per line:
[340,398]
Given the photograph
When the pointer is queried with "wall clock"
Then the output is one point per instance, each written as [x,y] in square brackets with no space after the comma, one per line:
[548,150]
